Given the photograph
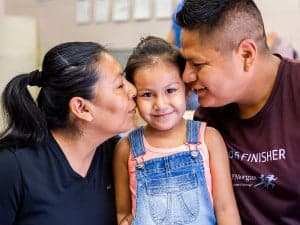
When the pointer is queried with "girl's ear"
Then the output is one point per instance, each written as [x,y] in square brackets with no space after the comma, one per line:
[81,108]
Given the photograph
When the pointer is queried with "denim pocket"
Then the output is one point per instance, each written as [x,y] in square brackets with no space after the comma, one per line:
[173,200]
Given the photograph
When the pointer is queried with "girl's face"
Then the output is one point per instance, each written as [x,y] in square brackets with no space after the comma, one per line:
[161,98]
[114,106]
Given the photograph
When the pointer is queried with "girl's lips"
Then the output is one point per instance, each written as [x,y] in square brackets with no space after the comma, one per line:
[162,114]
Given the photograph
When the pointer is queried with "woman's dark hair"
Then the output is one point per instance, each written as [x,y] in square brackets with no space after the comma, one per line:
[147,52]
[69,69]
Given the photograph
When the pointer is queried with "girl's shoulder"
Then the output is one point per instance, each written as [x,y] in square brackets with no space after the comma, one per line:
[122,149]
[123,142]
[213,139]
[211,132]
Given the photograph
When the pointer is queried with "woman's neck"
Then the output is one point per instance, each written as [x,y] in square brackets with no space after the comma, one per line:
[78,150]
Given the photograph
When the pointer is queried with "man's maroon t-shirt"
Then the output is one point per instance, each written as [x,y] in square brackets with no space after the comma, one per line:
[264,151]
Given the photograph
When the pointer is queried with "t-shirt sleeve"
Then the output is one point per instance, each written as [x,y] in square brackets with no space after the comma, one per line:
[10,187]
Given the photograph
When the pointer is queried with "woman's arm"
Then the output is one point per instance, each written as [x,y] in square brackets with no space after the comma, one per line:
[10,188]
[121,179]
[222,191]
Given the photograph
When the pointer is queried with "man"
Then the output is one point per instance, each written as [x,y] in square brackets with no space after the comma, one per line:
[252,97]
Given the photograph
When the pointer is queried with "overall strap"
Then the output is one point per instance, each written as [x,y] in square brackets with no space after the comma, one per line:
[136,142]
[192,131]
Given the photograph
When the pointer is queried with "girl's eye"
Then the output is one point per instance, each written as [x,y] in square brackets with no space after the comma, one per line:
[146,94]
[171,90]
[121,85]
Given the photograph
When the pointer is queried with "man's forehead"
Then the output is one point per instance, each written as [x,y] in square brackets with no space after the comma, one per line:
[196,46]
[189,38]
[190,44]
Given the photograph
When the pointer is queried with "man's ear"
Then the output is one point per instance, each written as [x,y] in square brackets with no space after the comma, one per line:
[81,108]
[247,51]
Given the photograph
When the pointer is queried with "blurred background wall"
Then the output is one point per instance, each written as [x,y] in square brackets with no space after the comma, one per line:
[56,22]
[1,7]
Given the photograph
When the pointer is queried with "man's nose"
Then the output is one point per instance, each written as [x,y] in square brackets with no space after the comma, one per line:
[189,75]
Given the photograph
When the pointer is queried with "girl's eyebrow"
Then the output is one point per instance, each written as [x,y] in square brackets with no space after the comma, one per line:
[143,89]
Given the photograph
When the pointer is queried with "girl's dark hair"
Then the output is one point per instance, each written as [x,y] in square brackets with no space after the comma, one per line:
[147,52]
[69,69]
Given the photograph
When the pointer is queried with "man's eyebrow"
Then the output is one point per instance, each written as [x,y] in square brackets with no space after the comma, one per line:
[192,59]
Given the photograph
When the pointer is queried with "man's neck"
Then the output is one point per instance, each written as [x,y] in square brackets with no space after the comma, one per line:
[261,87]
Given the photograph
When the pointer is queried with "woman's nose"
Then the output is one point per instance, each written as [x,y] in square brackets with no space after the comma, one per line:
[131,89]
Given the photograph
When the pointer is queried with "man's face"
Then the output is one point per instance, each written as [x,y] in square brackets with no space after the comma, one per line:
[216,77]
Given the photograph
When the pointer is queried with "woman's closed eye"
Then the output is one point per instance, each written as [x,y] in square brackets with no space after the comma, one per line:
[121,85]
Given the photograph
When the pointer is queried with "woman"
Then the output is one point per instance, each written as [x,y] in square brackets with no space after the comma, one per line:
[55,157]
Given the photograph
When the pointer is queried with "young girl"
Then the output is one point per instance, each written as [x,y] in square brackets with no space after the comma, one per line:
[171,171]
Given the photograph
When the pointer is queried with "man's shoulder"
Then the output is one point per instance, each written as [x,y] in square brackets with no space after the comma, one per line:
[290,64]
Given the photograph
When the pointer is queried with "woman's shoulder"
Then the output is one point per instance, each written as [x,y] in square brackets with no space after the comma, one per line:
[9,166]
[12,157]
[7,155]
[11,154]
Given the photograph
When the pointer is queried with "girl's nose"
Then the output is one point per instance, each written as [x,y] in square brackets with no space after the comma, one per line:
[159,103]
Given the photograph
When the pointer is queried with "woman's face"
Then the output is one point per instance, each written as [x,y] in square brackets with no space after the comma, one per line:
[114,106]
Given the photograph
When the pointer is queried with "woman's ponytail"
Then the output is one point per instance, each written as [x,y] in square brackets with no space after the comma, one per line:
[25,123]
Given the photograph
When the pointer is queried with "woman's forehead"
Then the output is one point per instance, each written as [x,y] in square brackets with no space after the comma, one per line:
[109,67]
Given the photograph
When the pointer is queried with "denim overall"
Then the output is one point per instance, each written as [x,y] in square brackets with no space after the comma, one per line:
[171,190]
